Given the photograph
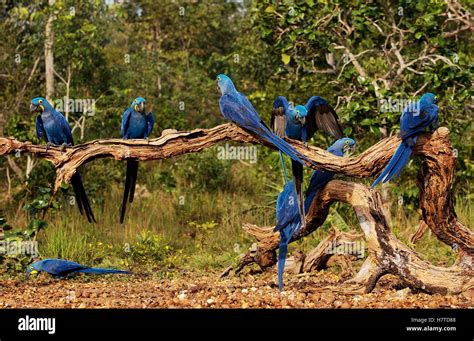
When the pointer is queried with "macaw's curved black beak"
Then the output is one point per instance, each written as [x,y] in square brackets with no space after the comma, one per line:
[141,107]
[348,150]
[33,107]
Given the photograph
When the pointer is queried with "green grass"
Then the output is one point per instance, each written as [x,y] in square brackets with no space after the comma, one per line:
[195,229]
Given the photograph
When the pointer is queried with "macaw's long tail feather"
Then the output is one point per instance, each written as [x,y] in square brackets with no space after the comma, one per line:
[285,237]
[129,190]
[282,160]
[285,147]
[297,169]
[282,250]
[81,197]
[134,171]
[396,163]
[402,161]
[103,271]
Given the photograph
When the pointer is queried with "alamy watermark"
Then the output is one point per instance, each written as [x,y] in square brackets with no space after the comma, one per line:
[398,105]
[356,248]
[85,106]
[229,152]
[18,247]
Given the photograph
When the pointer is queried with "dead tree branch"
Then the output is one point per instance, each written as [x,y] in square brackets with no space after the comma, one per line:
[386,253]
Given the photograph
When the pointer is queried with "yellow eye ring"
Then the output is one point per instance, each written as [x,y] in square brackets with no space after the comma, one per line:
[40,101]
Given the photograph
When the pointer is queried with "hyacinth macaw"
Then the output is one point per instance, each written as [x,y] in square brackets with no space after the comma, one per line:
[342,147]
[136,124]
[61,268]
[414,120]
[288,220]
[236,108]
[53,127]
[300,123]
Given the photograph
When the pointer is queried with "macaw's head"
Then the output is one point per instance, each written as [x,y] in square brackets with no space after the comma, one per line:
[300,113]
[138,104]
[224,84]
[343,147]
[34,268]
[39,104]
[429,98]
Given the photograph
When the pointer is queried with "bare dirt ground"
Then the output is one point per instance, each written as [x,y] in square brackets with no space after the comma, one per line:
[206,290]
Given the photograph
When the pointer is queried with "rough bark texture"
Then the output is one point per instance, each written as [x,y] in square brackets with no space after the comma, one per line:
[386,253]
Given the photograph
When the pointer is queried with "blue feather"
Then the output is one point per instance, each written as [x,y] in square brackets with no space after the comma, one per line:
[62,268]
[288,221]
[414,120]
[236,108]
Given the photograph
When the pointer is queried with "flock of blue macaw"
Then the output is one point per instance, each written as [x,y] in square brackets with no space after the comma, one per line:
[296,122]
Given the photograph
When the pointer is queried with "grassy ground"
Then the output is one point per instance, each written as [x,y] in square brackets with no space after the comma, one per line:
[162,233]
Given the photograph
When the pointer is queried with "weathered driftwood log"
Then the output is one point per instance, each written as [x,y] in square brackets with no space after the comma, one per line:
[434,179]
[386,254]
[337,246]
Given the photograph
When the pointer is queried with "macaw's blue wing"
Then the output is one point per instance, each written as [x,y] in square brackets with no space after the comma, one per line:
[40,132]
[288,222]
[278,124]
[321,116]
[245,117]
[150,121]
[413,123]
[59,267]
[286,207]
[319,179]
[125,122]
[63,126]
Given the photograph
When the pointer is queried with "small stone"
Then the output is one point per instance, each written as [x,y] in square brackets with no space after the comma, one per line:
[327,297]
[346,305]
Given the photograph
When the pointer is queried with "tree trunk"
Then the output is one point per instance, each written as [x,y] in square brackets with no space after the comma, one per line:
[48,55]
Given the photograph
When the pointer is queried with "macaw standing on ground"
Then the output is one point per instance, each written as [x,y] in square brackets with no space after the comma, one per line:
[53,127]
[288,221]
[300,123]
[414,120]
[136,124]
[61,268]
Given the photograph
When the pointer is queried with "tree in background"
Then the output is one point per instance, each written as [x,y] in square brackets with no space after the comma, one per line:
[353,53]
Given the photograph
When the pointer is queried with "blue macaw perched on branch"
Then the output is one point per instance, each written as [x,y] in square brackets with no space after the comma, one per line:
[288,220]
[62,268]
[236,108]
[342,147]
[136,124]
[53,127]
[300,123]
[414,120]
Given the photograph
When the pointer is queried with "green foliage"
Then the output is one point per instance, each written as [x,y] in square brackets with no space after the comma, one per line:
[170,53]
